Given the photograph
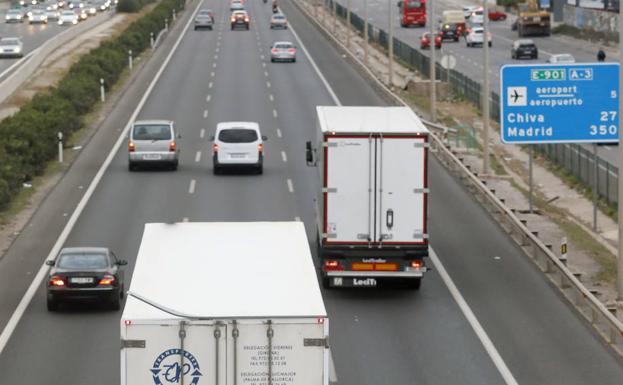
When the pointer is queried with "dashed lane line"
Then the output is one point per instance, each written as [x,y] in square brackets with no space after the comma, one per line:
[198,156]
[274,113]
[284,157]
[290,185]
[279,133]
[191,188]
[205,114]
[202,133]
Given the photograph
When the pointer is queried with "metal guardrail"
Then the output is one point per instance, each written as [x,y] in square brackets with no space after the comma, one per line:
[599,317]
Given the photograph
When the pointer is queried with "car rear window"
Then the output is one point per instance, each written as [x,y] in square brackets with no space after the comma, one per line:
[279,17]
[152,132]
[238,135]
[414,5]
[82,261]
[283,46]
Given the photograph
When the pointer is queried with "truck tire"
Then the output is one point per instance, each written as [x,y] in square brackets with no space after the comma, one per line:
[414,284]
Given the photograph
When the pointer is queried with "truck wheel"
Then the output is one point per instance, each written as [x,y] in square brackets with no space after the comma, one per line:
[414,284]
[52,304]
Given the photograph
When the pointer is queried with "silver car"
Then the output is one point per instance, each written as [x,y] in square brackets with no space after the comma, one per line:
[204,19]
[238,145]
[283,51]
[14,16]
[11,47]
[278,20]
[52,14]
[38,16]
[561,58]
[153,142]
[68,18]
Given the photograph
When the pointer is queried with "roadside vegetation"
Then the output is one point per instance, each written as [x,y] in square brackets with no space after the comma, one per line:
[28,138]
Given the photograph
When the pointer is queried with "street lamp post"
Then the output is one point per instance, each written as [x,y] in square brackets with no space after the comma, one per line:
[390,45]
[365,32]
[433,75]
[620,179]
[485,91]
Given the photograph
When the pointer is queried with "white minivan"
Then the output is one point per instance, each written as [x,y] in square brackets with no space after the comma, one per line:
[238,145]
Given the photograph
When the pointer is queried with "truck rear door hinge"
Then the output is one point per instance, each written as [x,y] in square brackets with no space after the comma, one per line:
[320,342]
[329,235]
[329,190]
[418,235]
[421,190]
[135,344]
[421,144]
[329,144]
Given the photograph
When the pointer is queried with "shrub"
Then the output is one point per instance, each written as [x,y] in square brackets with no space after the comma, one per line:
[129,6]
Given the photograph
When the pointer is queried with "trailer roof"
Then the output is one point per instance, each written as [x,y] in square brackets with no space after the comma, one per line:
[369,120]
[224,270]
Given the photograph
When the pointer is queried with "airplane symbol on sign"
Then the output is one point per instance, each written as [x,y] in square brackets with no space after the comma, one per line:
[517,97]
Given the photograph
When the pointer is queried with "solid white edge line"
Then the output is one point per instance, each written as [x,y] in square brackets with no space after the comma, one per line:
[8,330]
[313,63]
[458,298]
[191,187]
[473,321]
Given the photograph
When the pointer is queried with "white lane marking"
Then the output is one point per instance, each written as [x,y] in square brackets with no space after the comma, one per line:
[298,219]
[217,49]
[185,219]
[264,65]
[198,156]
[268,84]
[482,335]
[284,157]
[279,133]
[212,74]
[290,185]
[473,321]
[275,113]
[191,188]
[208,98]
[213,65]
[265,73]
[271,97]
[313,63]
[205,114]
[262,57]
[215,57]
[210,85]
[43,270]
[202,133]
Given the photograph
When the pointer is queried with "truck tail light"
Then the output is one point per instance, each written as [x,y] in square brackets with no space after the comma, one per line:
[215,148]
[332,264]
[57,281]
[416,264]
[172,146]
[107,280]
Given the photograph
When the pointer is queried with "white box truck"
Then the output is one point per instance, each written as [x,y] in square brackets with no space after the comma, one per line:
[219,304]
[372,206]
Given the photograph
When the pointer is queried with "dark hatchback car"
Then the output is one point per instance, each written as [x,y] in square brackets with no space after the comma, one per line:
[524,48]
[451,31]
[85,273]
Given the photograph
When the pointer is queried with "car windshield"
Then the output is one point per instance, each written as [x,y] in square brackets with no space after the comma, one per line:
[82,261]
[151,132]
[237,135]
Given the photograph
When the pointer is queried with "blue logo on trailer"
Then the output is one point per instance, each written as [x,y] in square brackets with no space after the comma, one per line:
[167,368]
[559,103]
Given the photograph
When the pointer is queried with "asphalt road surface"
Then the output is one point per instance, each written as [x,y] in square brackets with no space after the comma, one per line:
[377,336]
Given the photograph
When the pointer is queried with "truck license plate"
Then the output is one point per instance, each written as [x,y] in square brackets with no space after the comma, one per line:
[365,282]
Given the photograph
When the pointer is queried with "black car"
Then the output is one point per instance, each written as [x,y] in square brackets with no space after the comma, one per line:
[524,48]
[450,31]
[85,273]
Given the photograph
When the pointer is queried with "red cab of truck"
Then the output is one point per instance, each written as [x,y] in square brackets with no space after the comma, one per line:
[412,13]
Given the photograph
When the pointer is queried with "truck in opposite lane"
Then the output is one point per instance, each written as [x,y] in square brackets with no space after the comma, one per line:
[372,207]
[218,303]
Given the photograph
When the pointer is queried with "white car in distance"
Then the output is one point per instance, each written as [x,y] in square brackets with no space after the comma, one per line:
[476,37]
[561,58]
[68,18]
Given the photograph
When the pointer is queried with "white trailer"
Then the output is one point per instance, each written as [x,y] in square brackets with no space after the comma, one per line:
[372,206]
[224,304]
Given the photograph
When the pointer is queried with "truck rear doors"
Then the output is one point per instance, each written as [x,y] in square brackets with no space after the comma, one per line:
[375,189]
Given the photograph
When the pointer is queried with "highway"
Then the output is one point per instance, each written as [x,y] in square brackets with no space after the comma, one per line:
[32,35]
[377,336]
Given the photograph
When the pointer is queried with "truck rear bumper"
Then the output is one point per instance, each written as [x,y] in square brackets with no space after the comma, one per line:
[376,274]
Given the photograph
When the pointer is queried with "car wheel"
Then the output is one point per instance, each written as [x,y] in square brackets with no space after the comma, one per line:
[115,303]
[216,170]
[174,165]
[210,27]
[294,60]
[195,28]
[52,304]
[122,292]
[272,60]
[536,56]
[490,44]
[260,170]
[131,166]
